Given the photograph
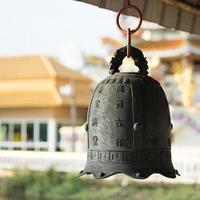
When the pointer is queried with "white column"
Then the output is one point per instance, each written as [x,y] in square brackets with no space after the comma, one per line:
[36,136]
[11,134]
[52,135]
[73,114]
[23,135]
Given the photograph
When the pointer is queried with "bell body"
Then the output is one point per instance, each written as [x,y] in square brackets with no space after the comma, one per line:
[129,128]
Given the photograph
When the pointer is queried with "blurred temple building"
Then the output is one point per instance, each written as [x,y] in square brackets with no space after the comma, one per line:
[174,60]
[38,96]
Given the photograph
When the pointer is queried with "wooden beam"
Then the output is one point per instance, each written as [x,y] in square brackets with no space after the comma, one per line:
[183,6]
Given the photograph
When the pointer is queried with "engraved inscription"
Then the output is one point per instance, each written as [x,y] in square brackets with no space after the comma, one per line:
[119,123]
[93,155]
[94,122]
[119,104]
[116,156]
[128,156]
[119,142]
[95,140]
[101,90]
[120,88]
[104,156]
[97,103]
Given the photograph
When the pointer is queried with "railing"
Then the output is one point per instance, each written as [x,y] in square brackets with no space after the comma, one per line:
[185,159]
[24,145]
[39,160]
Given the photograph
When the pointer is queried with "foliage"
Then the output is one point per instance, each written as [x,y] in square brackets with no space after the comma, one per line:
[52,185]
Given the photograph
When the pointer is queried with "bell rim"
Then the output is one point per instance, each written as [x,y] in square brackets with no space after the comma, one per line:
[169,172]
[135,175]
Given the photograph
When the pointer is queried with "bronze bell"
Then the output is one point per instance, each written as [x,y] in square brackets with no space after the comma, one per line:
[128,124]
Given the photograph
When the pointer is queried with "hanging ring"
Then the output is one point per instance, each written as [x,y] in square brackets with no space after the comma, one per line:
[121,11]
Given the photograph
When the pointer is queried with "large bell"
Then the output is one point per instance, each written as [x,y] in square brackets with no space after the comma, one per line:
[128,124]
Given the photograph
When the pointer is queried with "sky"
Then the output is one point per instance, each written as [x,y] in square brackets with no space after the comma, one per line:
[66,29]
[53,27]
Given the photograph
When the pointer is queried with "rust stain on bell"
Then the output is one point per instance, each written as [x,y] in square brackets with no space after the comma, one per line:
[128,124]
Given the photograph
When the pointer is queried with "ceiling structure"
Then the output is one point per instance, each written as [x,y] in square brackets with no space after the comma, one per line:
[181,15]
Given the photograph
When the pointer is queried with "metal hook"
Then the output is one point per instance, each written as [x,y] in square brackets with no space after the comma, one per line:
[128,32]
[128,42]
